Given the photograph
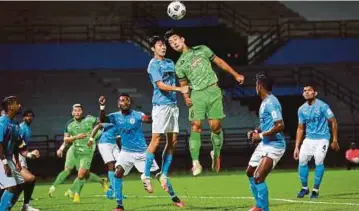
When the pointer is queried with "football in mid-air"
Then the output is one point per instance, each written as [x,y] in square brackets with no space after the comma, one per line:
[176,10]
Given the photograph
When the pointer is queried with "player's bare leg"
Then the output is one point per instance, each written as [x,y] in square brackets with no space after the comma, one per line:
[151,149]
[28,189]
[260,187]
[171,142]
[217,142]
[195,146]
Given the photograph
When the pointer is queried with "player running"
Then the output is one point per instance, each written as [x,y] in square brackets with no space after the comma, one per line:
[25,134]
[313,117]
[164,113]
[77,133]
[108,149]
[128,123]
[272,142]
[194,68]
[10,142]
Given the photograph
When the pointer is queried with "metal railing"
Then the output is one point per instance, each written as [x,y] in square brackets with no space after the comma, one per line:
[277,34]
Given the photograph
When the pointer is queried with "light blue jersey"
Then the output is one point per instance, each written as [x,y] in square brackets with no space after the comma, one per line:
[162,70]
[129,128]
[109,134]
[315,118]
[25,132]
[9,135]
[270,112]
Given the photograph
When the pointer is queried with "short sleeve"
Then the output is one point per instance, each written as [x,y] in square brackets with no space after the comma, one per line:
[328,113]
[207,52]
[2,131]
[155,73]
[301,119]
[107,125]
[274,111]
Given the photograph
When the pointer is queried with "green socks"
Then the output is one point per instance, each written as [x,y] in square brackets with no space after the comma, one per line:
[78,184]
[61,177]
[94,178]
[195,144]
[217,142]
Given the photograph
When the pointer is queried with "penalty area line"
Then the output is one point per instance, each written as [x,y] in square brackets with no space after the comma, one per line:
[246,198]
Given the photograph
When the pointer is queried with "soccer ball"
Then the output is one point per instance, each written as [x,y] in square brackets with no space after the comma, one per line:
[176,10]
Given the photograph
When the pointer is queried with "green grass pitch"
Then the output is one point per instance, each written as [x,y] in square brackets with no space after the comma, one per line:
[224,191]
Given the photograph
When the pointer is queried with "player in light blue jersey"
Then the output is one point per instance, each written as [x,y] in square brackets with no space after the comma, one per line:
[25,134]
[313,117]
[272,142]
[107,146]
[165,112]
[128,123]
[10,144]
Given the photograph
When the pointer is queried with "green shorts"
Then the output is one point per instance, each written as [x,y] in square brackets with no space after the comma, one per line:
[207,102]
[77,160]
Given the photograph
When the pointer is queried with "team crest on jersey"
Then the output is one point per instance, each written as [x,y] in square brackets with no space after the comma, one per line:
[132,121]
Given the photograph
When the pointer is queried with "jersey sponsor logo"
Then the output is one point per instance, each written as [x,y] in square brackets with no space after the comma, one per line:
[195,62]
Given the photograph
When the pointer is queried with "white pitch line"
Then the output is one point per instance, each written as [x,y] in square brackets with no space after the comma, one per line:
[246,198]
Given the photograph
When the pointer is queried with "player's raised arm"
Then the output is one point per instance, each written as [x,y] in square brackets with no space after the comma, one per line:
[102,115]
[223,65]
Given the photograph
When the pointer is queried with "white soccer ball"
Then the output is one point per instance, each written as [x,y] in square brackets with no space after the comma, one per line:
[176,10]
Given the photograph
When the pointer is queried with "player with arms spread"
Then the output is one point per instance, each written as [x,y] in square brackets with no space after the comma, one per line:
[77,132]
[272,142]
[165,112]
[10,142]
[194,68]
[313,117]
[128,123]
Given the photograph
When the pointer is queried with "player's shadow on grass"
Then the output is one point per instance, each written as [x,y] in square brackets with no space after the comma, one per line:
[352,195]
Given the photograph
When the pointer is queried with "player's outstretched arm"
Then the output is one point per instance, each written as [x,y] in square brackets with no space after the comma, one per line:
[278,127]
[102,115]
[334,125]
[298,140]
[227,68]
[164,87]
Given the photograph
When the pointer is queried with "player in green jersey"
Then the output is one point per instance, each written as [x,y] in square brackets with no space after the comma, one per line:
[79,154]
[194,68]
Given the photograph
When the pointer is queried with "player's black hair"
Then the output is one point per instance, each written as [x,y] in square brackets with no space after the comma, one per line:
[265,80]
[154,39]
[170,33]
[311,85]
[27,112]
[124,95]
[8,101]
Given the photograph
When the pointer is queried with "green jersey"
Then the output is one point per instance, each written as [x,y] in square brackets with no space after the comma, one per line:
[85,125]
[195,65]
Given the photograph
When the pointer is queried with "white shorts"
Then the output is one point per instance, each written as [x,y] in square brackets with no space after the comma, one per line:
[355,160]
[265,151]
[15,179]
[317,148]
[109,152]
[23,161]
[165,119]
[129,159]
